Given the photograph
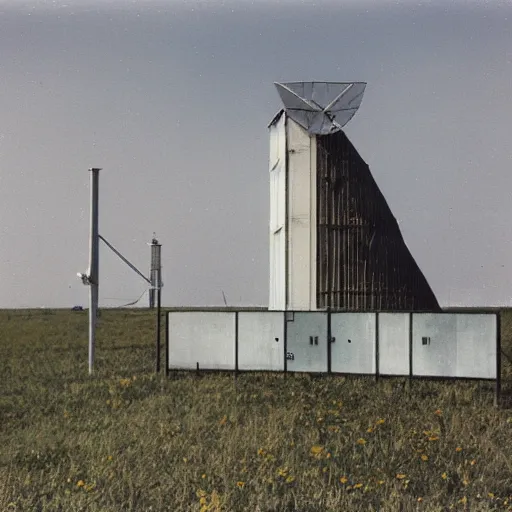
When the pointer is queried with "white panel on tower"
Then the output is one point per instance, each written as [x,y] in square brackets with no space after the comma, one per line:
[301,197]
[277,227]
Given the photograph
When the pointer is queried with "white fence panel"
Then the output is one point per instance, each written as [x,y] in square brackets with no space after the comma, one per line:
[434,352]
[261,341]
[394,343]
[353,350]
[204,337]
[476,346]
[306,342]
[455,345]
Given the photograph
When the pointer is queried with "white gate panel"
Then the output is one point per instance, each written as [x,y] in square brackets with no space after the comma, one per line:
[434,352]
[204,337]
[353,350]
[306,342]
[261,341]
[394,343]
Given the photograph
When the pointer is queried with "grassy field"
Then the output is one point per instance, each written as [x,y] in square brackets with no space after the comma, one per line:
[128,439]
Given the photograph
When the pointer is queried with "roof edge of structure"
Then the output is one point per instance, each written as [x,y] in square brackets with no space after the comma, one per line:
[276,118]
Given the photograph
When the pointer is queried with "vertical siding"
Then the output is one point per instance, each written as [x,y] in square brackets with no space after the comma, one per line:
[301,221]
[277,237]
[363,263]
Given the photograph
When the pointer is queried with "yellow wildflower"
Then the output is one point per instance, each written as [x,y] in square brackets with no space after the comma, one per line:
[361,441]
[202,500]
[203,476]
[80,483]
[444,476]
[125,382]
[401,476]
[380,421]
[240,484]
[380,482]
[433,438]
[343,479]
[282,472]
[261,451]
[463,500]
[491,495]
[316,449]
[290,479]
[358,486]
[369,430]
[424,457]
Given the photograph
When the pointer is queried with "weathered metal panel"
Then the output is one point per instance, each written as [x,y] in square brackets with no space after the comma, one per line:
[454,345]
[307,342]
[277,227]
[434,348]
[207,338]
[476,346]
[393,343]
[261,341]
[353,350]
[363,261]
[301,172]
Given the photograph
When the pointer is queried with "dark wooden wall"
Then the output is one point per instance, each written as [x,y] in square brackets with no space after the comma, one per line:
[363,262]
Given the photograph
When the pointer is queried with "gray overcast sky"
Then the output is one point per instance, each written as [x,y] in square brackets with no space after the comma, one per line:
[173,99]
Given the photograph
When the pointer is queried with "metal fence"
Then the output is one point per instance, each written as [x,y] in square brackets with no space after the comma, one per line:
[446,345]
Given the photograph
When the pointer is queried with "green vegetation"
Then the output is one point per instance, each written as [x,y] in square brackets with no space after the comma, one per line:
[127,439]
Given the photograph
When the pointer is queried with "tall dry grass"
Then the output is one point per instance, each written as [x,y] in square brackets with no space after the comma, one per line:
[127,439]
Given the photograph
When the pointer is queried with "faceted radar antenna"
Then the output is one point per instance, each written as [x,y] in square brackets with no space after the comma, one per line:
[321,107]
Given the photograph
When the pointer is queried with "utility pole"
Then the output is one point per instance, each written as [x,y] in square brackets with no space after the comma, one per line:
[93,273]
[156,289]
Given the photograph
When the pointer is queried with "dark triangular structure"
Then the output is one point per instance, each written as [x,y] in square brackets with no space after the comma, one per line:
[363,263]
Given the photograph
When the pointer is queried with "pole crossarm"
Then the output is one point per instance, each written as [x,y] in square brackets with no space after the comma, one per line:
[133,267]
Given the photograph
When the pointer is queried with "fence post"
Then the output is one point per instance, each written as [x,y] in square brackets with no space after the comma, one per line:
[236,345]
[167,344]
[497,396]
[377,347]
[410,351]
[329,337]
